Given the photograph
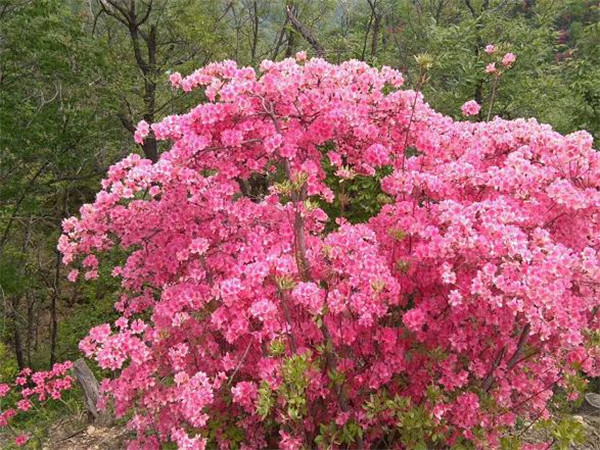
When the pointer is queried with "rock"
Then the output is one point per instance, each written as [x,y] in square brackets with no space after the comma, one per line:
[579,419]
[593,399]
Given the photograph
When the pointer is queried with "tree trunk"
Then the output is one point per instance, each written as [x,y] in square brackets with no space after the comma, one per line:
[16,304]
[19,353]
[255,25]
[89,384]
[56,288]
[30,324]
[305,32]
[375,37]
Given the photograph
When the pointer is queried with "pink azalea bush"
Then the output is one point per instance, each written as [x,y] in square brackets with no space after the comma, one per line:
[30,391]
[461,307]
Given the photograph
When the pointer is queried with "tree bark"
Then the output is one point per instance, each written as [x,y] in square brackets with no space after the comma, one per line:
[377,18]
[133,19]
[56,289]
[18,341]
[305,32]
[16,305]
[255,25]
[30,325]
[89,384]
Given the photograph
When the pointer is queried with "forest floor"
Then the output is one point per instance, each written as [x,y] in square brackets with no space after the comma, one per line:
[591,425]
[74,435]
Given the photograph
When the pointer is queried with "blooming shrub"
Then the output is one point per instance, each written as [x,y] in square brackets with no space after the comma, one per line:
[29,391]
[257,319]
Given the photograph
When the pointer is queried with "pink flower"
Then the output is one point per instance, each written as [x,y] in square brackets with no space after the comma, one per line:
[100,333]
[309,295]
[289,442]
[508,59]
[273,142]
[175,79]
[264,309]
[342,418]
[199,246]
[490,48]
[21,440]
[72,276]
[142,130]
[414,319]
[24,405]
[377,155]
[490,68]
[470,108]
[301,56]
[4,390]
[121,322]
[91,275]
[90,261]
[245,394]
[138,326]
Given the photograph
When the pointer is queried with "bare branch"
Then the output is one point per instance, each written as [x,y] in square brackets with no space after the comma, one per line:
[146,15]
[471,8]
[305,32]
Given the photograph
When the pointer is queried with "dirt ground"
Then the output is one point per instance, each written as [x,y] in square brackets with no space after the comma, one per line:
[69,436]
[78,436]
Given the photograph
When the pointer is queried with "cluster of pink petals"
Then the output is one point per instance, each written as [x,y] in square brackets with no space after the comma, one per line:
[30,387]
[490,68]
[141,131]
[507,60]
[478,278]
[470,108]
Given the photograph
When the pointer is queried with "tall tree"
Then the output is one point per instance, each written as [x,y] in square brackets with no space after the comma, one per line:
[161,36]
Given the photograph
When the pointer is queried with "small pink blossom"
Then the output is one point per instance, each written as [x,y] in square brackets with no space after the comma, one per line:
[199,246]
[301,56]
[508,59]
[245,394]
[72,276]
[24,405]
[470,108]
[100,333]
[289,442]
[377,155]
[490,48]
[21,440]
[490,68]
[414,319]
[342,418]
[142,130]
[175,79]
[4,390]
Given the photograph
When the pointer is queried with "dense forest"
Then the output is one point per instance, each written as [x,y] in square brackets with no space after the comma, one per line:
[77,76]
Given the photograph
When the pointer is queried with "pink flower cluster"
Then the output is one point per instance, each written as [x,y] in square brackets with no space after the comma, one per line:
[31,387]
[478,278]
[507,60]
[470,108]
